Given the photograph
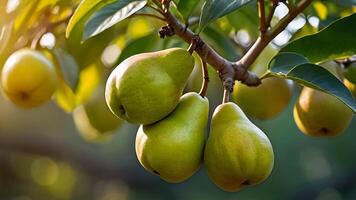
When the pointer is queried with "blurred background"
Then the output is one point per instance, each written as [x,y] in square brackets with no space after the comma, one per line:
[48,153]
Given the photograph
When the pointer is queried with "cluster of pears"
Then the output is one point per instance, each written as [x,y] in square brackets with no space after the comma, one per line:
[319,114]
[29,78]
[147,89]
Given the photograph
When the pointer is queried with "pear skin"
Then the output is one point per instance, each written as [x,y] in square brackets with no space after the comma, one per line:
[146,87]
[172,148]
[237,154]
[319,114]
[270,98]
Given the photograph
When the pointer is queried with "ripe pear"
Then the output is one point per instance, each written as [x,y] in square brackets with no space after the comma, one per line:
[237,153]
[319,114]
[270,98]
[94,120]
[146,87]
[29,78]
[172,148]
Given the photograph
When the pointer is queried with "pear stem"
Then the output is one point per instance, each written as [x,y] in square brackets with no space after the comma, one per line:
[226,98]
[236,70]
[206,80]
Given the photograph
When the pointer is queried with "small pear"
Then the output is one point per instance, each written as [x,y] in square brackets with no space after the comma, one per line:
[94,120]
[319,114]
[270,98]
[146,87]
[237,153]
[172,148]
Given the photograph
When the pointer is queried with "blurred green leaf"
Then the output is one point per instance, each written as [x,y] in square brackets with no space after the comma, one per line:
[214,9]
[245,18]
[186,7]
[140,45]
[223,44]
[89,79]
[335,41]
[296,67]
[68,66]
[110,15]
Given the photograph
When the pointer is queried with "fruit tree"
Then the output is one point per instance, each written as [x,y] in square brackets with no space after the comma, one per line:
[196,81]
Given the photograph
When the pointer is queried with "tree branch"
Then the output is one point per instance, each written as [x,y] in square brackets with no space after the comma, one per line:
[262,16]
[265,39]
[228,70]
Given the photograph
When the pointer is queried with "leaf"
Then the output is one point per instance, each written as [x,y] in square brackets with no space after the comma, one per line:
[221,43]
[110,15]
[245,18]
[84,8]
[214,9]
[335,41]
[311,75]
[140,45]
[68,67]
[89,79]
[186,7]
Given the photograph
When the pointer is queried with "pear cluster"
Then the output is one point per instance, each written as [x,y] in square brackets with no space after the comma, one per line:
[147,89]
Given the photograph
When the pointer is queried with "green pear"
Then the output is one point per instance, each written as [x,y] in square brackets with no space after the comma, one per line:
[172,148]
[94,120]
[320,114]
[270,98]
[237,153]
[146,87]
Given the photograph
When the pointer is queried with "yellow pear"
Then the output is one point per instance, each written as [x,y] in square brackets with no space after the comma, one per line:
[29,78]
[237,154]
[146,87]
[172,148]
[270,98]
[319,114]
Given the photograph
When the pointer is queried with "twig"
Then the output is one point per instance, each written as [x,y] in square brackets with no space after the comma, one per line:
[206,80]
[262,16]
[271,13]
[265,39]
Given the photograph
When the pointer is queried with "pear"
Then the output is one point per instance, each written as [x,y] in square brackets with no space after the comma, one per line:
[319,114]
[237,153]
[270,98]
[172,148]
[146,87]
[94,120]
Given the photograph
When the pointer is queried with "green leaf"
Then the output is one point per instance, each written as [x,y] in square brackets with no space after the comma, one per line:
[311,75]
[68,67]
[220,43]
[214,9]
[285,61]
[110,15]
[245,18]
[140,45]
[84,8]
[335,41]
[186,7]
